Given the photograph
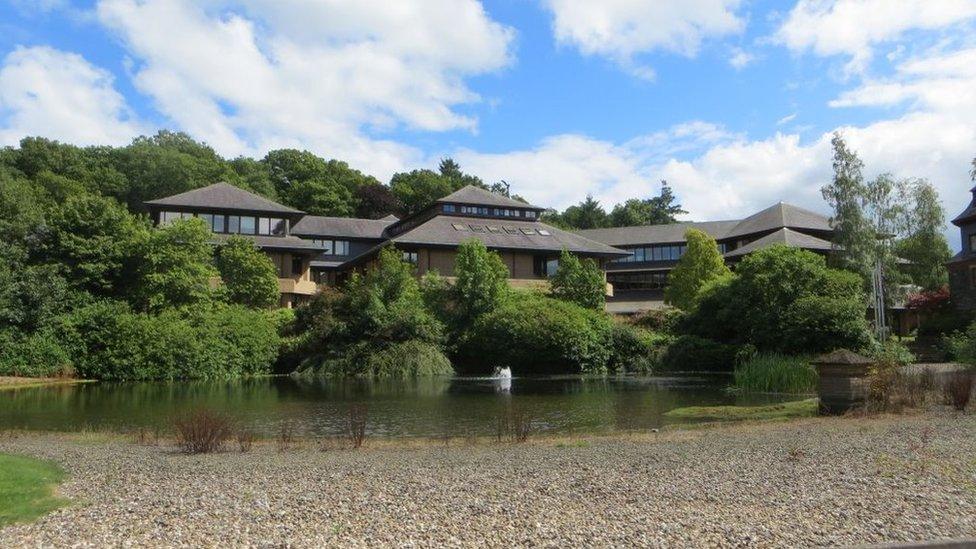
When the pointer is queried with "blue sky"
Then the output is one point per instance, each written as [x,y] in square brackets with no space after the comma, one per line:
[732,101]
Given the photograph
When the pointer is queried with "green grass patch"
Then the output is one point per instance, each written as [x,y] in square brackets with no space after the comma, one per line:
[776,373]
[27,488]
[785,410]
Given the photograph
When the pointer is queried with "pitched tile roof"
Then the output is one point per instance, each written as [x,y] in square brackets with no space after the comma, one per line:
[969,213]
[284,243]
[480,197]
[783,236]
[780,215]
[223,196]
[774,217]
[345,227]
[445,230]
[653,234]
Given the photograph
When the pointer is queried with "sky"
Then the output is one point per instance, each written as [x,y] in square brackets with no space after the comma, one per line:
[733,102]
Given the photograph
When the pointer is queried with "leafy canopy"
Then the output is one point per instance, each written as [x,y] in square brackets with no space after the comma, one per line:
[579,281]
[249,277]
[700,265]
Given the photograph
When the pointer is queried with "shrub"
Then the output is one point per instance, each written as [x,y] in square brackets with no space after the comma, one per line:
[41,354]
[112,342]
[693,353]
[202,431]
[700,264]
[775,373]
[961,346]
[634,349]
[403,359]
[944,322]
[533,334]
[579,281]
[664,321]
[783,299]
[959,389]
[249,276]
[357,424]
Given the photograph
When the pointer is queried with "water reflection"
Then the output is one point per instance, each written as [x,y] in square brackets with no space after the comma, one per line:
[418,407]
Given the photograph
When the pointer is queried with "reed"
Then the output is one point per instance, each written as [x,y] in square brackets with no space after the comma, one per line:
[776,373]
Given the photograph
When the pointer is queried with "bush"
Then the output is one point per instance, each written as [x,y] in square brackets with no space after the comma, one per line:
[944,323]
[959,389]
[697,354]
[534,334]
[202,431]
[664,321]
[776,373]
[404,359]
[37,355]
[783,299]
[634,349]
[112,342]
[579,281]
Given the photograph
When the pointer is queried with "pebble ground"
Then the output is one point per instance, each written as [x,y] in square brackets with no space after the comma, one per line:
[841,481]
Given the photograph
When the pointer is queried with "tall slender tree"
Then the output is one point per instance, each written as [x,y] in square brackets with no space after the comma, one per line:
[854,237]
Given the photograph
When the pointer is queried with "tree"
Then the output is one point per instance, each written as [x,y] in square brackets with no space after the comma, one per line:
[249,276]
[658,210]
[579,282]
[165,164]
[701,264]
[924,244]
[177,267]
[451,170]
[418,189]
[588,214]
[854,237]
[312,184]
[481,279]
[783,299]
[375,201]
[97,241]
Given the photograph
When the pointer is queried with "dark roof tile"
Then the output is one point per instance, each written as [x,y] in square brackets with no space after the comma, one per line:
[223,196]
[480,197]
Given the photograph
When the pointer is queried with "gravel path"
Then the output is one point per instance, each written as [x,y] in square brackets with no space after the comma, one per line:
[803,483]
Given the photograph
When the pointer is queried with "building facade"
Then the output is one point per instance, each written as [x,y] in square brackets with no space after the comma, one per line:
[229,211]
[962,267]
[639,278]
[310,251]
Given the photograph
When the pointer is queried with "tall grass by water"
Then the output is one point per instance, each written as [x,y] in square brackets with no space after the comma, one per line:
[776,373]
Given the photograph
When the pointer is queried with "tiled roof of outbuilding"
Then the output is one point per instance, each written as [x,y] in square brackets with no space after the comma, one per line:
[223,196]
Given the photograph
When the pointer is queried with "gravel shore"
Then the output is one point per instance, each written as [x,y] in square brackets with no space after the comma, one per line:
[840,481]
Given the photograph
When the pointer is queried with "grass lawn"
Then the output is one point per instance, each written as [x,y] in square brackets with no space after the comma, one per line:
[785,410]
[27,488]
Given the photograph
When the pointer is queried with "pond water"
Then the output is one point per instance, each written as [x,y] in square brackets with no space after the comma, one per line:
[431,407]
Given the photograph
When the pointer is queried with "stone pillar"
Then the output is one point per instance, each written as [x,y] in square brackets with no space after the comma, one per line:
[843,383]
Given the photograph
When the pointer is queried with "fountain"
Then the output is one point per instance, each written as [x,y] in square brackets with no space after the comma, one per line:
[503,379]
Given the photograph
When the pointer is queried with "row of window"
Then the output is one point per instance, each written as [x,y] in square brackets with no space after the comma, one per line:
[483,210]
[667,252]
[233,224]
[528,231]
[333,247]
[638,281]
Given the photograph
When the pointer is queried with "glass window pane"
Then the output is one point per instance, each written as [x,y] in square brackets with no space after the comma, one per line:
[248,225]
[341,247]
[656,253]
[278,227]
[639,255]
[327,245]
[233,224]
[264,225]
[218,223]
[208,219]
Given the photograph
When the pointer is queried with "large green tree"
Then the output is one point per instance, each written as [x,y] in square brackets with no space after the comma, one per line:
[854,236]
[481,279]
[249,277]
[579,281]
[97,241]
[924,244]
[418,189]
[588,214]
[700,265]
[657,210]
[177,267]
[314,185]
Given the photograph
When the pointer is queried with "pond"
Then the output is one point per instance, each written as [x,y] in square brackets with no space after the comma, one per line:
[431,407]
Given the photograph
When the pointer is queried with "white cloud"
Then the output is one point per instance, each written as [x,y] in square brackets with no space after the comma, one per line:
[786,119]
[253,75]
[740,59]
[621,29]
[44,91]
[855,27]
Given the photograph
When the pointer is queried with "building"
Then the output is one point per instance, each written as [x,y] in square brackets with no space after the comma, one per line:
[639,278]
[311,250]
[962,267]
[429,239]
[228,211]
